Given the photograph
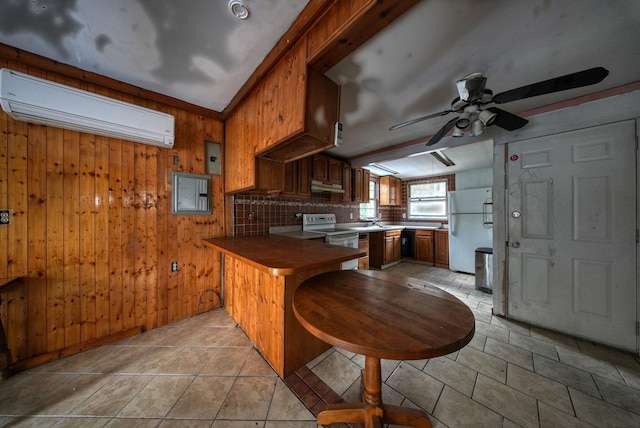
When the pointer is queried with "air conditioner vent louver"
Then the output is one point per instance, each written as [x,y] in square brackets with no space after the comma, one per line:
[31,99]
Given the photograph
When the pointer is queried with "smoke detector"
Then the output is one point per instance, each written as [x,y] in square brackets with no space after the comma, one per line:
[239,9]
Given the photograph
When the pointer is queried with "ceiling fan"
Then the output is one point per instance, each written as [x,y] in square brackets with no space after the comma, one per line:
[473,97]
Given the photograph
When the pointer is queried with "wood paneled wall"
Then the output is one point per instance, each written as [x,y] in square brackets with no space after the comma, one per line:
[92,232]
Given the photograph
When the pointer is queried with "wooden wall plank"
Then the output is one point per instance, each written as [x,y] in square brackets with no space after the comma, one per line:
[215,132]
[163,208]
[151,215]
[115,237]
[87,238]
[37,238]
[17,198]
[16,299]
[71,213]
[140,234]
[128,235]
[55,238]
[170,293]
[102,235]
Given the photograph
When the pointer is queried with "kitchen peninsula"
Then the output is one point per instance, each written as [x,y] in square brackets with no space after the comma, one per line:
[260,275]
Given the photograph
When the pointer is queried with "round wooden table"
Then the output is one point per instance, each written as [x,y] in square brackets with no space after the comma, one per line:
[378,315]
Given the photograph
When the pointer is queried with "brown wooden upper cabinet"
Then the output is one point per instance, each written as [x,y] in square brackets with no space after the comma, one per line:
[297,178]
[321,107]
[277,122]
[326,169]
[269,176]
[346,184]
[360,178]
[390,191]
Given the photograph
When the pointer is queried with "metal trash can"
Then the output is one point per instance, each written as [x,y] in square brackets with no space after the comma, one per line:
[484,269]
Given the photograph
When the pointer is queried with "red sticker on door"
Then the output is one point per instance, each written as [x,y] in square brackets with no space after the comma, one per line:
[514,157]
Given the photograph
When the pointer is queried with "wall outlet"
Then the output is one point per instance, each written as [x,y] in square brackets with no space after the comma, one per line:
[350,216]
[404,215]
[174,266]
[5,217]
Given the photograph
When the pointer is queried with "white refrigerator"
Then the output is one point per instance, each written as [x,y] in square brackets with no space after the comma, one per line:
[469,226]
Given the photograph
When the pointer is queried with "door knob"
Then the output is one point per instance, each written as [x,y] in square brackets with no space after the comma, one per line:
[515,245]
[515,214]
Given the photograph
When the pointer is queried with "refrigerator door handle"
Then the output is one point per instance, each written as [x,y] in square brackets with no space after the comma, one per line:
[452,224]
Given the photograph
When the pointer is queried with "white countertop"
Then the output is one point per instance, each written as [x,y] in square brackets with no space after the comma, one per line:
[297,232]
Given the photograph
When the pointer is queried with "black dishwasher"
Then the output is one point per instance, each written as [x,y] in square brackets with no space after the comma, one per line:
[406,240]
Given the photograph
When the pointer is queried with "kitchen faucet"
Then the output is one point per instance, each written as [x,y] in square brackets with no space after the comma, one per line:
[375,220]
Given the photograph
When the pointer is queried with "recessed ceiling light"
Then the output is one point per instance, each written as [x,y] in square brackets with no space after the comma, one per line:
[383,168]
[444,159]
[239,9]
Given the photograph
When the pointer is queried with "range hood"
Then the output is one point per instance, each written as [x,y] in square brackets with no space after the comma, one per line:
[319,186]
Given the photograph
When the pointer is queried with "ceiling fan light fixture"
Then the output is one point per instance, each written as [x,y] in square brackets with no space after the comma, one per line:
[463,121]
[476,128]
[471,87]
[487,117]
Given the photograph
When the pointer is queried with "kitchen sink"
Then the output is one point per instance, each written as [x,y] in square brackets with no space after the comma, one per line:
[376,228]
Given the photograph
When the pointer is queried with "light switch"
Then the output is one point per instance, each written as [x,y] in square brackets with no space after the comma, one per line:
[213,160]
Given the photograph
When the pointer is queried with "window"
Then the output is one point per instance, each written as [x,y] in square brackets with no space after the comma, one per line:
[427,200]
[368,209]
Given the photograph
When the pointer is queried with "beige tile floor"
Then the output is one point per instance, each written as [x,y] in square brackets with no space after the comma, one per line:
[204,372]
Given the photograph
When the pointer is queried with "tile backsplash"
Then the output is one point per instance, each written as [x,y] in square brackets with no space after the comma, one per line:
[255,214]
[279,211]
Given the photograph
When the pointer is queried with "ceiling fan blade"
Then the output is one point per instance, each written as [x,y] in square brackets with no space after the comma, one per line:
[562,83]
[442,132]
[506,120]
[420,119]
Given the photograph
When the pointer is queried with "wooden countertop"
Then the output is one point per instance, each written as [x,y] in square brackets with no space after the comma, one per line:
[282,255]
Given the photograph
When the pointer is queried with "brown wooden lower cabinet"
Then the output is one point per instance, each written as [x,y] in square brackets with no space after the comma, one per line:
[441,237]
[363,244]
[384,248]
[261,304]
[424,246]
[261,273]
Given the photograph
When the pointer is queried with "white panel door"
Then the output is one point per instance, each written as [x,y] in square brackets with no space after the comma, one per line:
[571,202]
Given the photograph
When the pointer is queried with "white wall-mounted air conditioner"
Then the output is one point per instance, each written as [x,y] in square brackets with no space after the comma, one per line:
[31,99]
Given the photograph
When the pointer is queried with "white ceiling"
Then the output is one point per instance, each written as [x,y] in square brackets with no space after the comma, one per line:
[197,52]
[410,68]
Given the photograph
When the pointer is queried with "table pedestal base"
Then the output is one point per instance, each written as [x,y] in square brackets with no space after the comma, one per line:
[371,412]
[373,417]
